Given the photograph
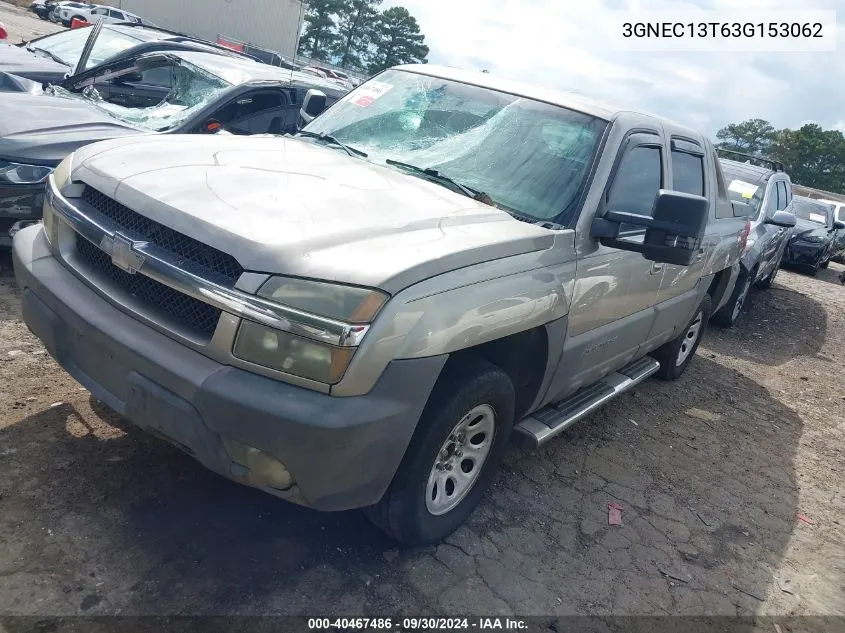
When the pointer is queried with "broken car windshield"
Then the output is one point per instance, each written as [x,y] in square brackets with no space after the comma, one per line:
[186,90]
[528,156]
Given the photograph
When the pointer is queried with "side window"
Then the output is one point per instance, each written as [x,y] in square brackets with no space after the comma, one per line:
[162,76]
[772,194]
[688,173]
[637,181]
[115,14]
[259,113]
[782,199]
[99,11]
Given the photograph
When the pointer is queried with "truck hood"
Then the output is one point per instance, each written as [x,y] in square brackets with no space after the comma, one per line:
[42,129]
[16,60]
[287,206]
[805,228]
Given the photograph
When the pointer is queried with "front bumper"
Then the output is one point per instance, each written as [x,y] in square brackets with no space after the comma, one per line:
[341,452]
[17,203]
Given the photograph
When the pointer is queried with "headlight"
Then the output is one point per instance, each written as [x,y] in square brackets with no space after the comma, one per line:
[18,174]
[61,177]
[300,356]
[344,303]
[749,244]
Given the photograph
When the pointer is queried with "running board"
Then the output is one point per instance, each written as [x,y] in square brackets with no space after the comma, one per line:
[544,424]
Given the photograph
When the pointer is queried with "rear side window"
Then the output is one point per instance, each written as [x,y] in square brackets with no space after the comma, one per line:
[637,181]
[688,173]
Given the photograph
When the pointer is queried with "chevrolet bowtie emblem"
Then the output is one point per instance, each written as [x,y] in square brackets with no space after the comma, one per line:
[123,253]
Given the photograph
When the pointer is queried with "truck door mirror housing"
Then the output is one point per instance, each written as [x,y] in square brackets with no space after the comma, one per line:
[838,225]
[313,106]
[741,209]
[673,233]
[782,218]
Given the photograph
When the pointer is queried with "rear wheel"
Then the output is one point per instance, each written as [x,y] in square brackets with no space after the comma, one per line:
[825,264]
[456,449]
[729,313]
[675,355]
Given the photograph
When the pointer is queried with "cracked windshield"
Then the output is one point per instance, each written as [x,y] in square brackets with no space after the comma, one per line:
[528,157]
[184,89]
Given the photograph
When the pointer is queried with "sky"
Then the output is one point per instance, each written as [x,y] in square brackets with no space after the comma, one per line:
[559,43]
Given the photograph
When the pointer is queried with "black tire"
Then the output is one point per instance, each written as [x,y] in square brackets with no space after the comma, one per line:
[729,313]
[669,354]
[402,512]
[825,264]
[76,17]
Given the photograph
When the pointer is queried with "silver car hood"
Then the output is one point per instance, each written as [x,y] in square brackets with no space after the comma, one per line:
[288,206]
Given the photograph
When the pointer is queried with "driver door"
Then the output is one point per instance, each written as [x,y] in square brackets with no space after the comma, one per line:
[613,302]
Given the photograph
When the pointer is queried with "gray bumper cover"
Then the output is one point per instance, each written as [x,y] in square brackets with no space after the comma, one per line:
[342,452]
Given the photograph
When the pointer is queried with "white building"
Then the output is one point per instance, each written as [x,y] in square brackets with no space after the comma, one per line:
[270,24]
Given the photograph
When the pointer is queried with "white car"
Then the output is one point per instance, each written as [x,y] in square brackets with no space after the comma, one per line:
[92,13]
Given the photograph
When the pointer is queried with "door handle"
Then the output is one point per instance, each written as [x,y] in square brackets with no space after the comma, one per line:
[655,268]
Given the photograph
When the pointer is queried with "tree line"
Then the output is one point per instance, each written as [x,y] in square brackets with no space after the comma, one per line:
[813,156]
[356,34]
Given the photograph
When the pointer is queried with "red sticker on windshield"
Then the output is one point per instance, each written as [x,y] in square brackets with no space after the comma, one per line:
[369,92]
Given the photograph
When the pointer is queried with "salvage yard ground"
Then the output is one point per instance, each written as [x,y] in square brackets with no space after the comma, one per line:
[731,481]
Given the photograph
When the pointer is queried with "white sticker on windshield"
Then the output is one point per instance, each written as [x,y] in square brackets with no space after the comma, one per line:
[745,189]
[369,92]
[817,217]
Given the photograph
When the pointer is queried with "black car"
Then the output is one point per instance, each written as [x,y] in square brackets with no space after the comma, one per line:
[172,92]
[49,59]
[813,240]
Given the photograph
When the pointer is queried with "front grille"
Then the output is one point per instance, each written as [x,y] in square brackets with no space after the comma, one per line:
[196,317]
[185,252]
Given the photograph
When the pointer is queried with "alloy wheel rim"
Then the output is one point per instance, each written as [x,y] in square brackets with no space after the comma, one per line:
[460,460]
[690,338]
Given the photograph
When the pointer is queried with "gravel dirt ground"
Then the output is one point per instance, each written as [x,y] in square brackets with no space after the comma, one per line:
[24,25]
[714,474]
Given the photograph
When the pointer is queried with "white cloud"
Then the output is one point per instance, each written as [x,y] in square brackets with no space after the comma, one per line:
[564,44]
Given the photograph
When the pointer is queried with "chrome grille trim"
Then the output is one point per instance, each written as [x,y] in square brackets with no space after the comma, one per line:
[156,266]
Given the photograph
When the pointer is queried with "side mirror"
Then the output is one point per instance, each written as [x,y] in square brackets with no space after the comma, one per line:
[313,106]
[741,209]
[838,225]
[782,218]
[673,233]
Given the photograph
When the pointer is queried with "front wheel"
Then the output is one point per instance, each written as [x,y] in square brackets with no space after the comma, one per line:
[826,263]
[675,355]
[454,453]
[765,284]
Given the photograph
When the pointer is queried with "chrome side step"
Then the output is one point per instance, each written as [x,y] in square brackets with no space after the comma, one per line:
[544,424]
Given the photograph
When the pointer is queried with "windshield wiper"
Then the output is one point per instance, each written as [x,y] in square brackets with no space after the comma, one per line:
[52,56]
[443,179]
[328,138]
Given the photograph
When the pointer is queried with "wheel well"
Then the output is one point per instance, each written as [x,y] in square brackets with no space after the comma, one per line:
[522,356]
[718,287]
